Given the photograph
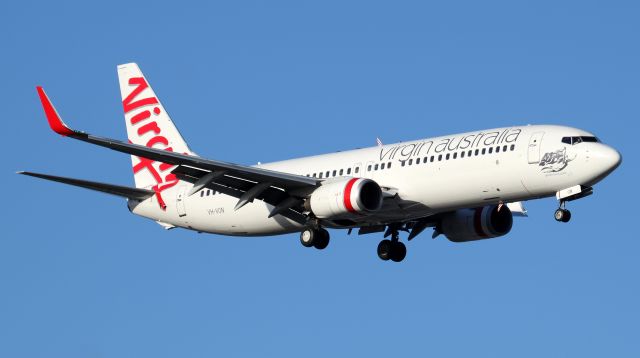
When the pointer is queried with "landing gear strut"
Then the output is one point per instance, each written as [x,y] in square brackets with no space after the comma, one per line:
[393,249]
[562,214]
[318,238]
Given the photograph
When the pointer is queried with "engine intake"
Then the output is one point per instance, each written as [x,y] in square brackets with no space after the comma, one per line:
[477,224]
[345,197]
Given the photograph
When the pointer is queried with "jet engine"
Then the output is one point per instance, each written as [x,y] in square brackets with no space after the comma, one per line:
[345,197]
[477,224]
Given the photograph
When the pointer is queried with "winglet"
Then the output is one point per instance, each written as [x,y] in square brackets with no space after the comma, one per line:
[55,122]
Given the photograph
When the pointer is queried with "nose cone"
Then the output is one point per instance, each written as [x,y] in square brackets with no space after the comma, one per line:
[607,159]
[613,158]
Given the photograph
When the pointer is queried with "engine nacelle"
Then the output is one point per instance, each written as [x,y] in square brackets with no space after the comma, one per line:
[477,224]
[345,197]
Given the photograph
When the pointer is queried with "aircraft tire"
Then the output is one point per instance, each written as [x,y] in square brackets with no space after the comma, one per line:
[562,215]
[308,237]
[384,249]
[398,251]
[321,240]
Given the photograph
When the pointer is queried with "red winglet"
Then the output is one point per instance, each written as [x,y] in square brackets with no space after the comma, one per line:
[55,122]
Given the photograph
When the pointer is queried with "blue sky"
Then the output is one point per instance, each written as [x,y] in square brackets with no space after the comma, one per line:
[260,81]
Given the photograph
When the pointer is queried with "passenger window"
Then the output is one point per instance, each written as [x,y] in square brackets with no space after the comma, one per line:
[348,171]
[484,150]
[341,171]
[327,174]
[357,170]
[439,157]
[513,147]
[320,175]
[417,160]
[389,165]
[504,148]
[498,149]
[425,159]
[402,163]
[369,167]
[334,173]
[375,167]
[455,155]
[410,161]
[447,156]
[462,154]
[490,150]
[381,166]
[433,158]
[201,194]
[477,151]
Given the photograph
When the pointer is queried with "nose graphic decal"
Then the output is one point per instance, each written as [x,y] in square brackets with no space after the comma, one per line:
[556,161]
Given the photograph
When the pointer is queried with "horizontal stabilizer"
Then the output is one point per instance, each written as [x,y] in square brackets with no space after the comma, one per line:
[124,191]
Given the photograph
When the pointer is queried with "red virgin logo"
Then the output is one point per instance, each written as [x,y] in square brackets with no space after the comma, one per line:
[143,122]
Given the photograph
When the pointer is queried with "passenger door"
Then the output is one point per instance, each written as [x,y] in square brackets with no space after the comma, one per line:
[535,143]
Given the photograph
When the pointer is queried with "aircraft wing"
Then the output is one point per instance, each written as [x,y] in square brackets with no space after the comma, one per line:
[244,182]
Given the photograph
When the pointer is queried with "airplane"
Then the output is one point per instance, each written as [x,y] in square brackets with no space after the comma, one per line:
[465,186]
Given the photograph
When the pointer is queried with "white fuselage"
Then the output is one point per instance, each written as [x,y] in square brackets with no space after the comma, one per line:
[430,176]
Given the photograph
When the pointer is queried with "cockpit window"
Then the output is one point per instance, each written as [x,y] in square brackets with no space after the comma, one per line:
[580,139]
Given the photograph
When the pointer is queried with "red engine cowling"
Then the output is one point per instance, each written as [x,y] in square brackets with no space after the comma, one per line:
[477,224]
[345,197]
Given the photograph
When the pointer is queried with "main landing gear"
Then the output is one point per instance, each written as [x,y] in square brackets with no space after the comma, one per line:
[393,249]
[562,214]
[318,238]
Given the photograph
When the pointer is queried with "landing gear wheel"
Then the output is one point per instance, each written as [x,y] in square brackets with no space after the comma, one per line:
[562,215]
[392,250]
[321,240]
[384,249]
[398,251]
[558,215]
[307,237]
[315,238]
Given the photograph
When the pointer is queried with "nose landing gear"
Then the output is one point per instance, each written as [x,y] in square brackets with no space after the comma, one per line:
[569,194]
[562,214]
